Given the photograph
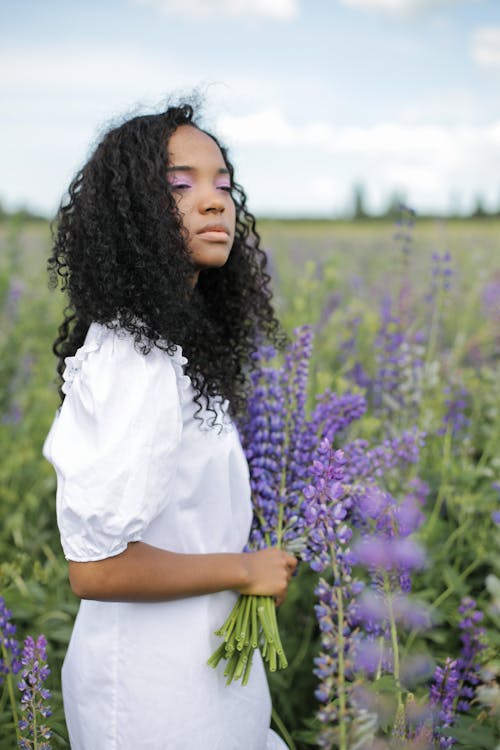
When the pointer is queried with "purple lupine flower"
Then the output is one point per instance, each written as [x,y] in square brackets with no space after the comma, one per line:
[372,607]
[8,643]
[14,415]
[471,637]
[271,438]
[385,553]
[14,294]
[442,696]
[326,506]
[332,303]
[495,515]
[456,404]
[372,654]
[333,414]
[491,298]
[286,451]
[454,686]
[403,235]
[364,462]
[441,273]
[34,695]
[397,384]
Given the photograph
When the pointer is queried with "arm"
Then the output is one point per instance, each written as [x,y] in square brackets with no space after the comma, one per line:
[146,573]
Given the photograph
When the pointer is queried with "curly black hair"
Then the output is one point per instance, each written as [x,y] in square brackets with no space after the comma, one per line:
[110,237]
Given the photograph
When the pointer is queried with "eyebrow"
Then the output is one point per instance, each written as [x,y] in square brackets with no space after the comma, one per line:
[185,168]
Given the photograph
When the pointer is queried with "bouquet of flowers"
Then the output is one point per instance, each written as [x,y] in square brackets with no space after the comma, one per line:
[282,445]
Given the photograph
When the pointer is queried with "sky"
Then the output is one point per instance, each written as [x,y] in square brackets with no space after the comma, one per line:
[312,97]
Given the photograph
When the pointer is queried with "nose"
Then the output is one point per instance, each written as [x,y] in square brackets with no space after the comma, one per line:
[211,200]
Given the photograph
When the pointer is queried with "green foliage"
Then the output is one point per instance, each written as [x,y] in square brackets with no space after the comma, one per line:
[332,276]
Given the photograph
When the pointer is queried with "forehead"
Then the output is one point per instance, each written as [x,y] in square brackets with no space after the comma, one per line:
[188,145]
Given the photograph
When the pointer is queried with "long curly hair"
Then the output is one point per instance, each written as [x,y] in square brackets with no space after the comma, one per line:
[119,252]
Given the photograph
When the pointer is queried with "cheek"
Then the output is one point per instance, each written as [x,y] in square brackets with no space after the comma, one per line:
[232,214]
[185,210]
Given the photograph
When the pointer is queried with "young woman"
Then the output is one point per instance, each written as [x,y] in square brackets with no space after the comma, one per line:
[168,297]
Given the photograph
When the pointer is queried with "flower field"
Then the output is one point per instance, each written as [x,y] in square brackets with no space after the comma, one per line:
[390,481]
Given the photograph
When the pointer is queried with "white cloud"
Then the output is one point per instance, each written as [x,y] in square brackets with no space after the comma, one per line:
[425,162]
[397,8]
[268,126]
[85,68]
[485,46]
[283,10]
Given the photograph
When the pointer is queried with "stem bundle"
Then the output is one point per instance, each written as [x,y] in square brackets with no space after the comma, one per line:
[252,623]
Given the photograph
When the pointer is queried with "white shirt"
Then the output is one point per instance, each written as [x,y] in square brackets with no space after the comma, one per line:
[133,464]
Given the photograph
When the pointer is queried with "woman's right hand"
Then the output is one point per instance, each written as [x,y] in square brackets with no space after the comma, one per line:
[268,573]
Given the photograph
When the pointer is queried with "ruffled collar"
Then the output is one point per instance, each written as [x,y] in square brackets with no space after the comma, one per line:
[96,334]
[93,340]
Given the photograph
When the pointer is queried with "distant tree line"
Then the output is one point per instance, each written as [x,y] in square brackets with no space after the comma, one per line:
[393,208]
[20,214]
[359,211]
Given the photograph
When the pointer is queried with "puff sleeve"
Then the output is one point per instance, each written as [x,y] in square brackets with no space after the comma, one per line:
[113,444]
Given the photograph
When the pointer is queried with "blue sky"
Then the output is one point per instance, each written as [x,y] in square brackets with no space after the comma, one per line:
[311,96]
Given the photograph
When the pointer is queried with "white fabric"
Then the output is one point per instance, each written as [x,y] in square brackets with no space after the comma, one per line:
[132,464]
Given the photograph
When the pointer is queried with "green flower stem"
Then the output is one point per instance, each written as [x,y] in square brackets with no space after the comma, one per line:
[283,730]
[394,639]
[445,462]
[217,655]
[248,666]
[255,627]
[341,685]
[433,334]
[251,623]
[10,689]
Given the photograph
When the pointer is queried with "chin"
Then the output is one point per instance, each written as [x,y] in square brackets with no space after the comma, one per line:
[215,258]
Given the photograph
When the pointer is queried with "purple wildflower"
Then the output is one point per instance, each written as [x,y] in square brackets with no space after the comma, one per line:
[453,687]
[9,647]
[332,303]
[295,477]
[456,404]
[443,694]
[403,235]
[14,294]
[34,695]
[364,462]
[472,644]
[441,273]
[371,655]
[14,415]
[491,298]
[387,554]
[397,384]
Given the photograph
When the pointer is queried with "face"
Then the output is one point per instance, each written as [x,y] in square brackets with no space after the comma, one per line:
[200,182]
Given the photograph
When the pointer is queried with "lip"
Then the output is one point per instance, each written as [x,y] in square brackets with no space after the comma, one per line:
[212,228]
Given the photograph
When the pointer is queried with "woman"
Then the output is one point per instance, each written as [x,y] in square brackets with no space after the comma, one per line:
[167,298]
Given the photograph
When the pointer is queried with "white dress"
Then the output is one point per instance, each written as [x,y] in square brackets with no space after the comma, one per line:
[133,464]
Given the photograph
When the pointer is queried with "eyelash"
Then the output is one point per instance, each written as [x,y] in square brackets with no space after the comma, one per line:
[226,188]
